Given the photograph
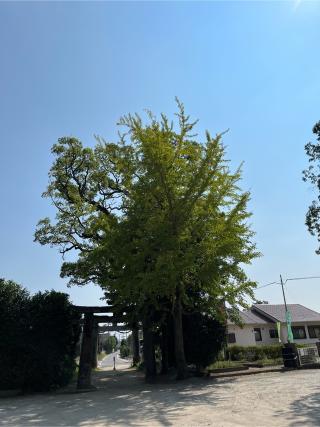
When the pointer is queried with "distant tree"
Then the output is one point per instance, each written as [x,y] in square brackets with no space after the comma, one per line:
[312,175]
[124,349]
[129,341]
[110,344]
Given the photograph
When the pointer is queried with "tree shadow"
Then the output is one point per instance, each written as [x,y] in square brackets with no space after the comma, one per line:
[121,398]
[305,411]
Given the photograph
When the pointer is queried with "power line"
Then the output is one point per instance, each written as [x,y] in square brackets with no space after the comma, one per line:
[268,284]
[303,278]
[293,278]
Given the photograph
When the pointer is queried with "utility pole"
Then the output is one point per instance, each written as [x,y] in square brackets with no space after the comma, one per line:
[284,297]
[288,314]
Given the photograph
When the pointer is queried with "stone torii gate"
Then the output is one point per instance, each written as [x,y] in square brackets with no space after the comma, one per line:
[89,343]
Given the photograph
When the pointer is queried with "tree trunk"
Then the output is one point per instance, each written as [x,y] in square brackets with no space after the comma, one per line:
[135,345]
[178,339]
[170,341]
[164,349]
[148,350]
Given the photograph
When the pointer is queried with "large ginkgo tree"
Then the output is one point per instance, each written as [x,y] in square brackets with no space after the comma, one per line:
[155,218]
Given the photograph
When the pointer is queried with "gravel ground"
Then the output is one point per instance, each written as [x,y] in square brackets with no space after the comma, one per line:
[271,399]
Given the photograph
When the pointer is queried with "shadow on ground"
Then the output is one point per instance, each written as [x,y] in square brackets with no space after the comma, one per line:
[305,411]
[121,398]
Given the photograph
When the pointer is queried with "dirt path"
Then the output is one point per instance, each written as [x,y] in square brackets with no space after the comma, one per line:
[123,398]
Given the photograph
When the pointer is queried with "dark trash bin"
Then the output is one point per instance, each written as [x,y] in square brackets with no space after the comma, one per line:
[290,356]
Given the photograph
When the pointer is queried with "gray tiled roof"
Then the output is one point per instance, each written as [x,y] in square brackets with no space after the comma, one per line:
[299,313]
[270,313]
[248,317]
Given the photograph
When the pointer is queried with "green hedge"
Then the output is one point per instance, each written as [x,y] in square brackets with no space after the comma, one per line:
[13,332]
[53,336]
[38,338]
[252,353]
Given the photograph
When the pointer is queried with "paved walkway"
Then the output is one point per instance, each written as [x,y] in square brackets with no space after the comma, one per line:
[109,360]
[124,399]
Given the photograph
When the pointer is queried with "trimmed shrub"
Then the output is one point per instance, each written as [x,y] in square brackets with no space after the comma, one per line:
[273,351]
[204,337]
[252,353]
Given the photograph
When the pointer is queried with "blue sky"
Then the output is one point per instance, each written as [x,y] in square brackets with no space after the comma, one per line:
[75,68]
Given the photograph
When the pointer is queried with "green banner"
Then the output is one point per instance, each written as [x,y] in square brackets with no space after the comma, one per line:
[279,330]
[288,319]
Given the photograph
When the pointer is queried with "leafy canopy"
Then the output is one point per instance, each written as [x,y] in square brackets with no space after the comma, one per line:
[152,218]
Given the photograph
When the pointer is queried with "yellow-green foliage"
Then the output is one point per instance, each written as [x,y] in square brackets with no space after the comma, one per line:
[160,213]
[158,220]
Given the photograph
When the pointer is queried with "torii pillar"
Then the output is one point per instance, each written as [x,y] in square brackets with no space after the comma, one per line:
[95,336]
[85,365]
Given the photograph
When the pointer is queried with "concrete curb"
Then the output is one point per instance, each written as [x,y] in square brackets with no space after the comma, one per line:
[254,371]
[227,370]
[10,393]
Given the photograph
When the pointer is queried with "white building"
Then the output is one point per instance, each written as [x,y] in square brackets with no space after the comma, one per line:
[259,325]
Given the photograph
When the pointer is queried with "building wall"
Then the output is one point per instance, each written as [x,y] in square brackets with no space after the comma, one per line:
[245,336]
[266,340]
[308,340]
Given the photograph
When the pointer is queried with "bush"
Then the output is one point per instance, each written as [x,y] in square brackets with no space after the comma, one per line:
[204,337]
[273,351]
[38,338]
[252,353]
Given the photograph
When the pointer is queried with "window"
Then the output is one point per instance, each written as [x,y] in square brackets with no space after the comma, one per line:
[257,334]
[273,333]
[314,331]
[231,338]
[298,332]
